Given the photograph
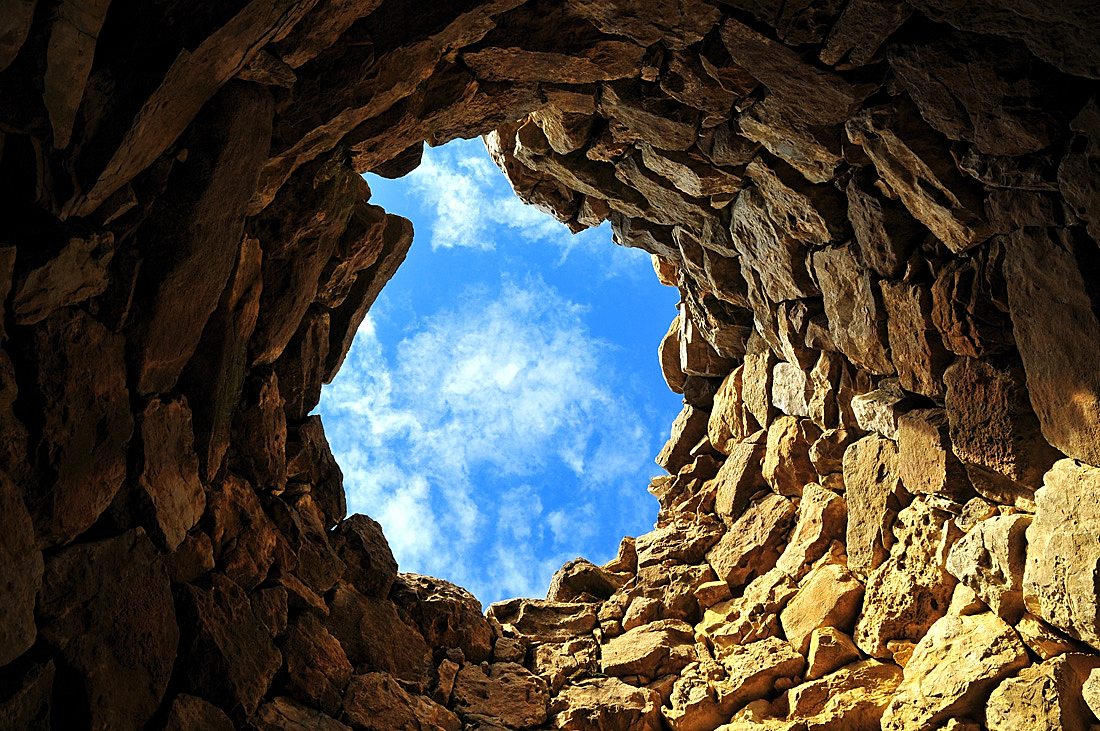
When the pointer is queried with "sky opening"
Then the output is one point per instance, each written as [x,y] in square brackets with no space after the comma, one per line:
[502,403]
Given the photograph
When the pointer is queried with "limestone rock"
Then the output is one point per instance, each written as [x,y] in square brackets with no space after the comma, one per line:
[739,478]
[685,540]
[1044,696]
[80,373]
[21,570]
[445,614]
[926,462]
[990,560]
[787,467]
[729,420]
[317,670]
[579,577]
[542,621]
[570,660]
[830,649]
[952,671]
[652,650]
[829,596]
[822,519]
[190,711]
[880,409]
[916,347]
[756,380]
[106,608]
[690,426]
[884,230]
[965,310]
[227,655]
[509,692]
[1076,184]
[362,547]
[874,495]
[993,429]
[853,697]
[911,589]
[243,537]
[752,545]
[1058,336]
[752,616]
[853,305]
[1061,551]
[678,23]
[792,389]
[286,714]
[827,452]
[376,702]
[753,669]
[606,704]
[668,353]
[1044,640]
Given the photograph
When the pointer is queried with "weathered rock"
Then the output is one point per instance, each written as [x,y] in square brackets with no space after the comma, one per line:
[1058,334]
[994,432]
[1061,551]
[926,462]
[829,596]
[910,162]
[952,671]
[830,649]
[652,650]
[226,654]
[606,704]
[822,519]
[80,374]
[753,669]
[286,714]
[739,478]
[540,621]
[1074,181]
[916,348]
[106,608]
[752,616]
[884,230]
[690,426]
[678,23]
[579,577]
[1044,640]
[363,548]
[967,308]
[911,589]
[20,573]
[25,701]
[189,711]
[509,692]
[377,702]
[776,256]
[792,389]
[668,353]
[449,616]
[76,273]
[854,697]
[786,467]
[990,560]
[874,494]
[244,538]
[730,422]
[569,660]
[753,543]
[756,382]
[1044,696]
[259,431]
[317,670]
[857,321]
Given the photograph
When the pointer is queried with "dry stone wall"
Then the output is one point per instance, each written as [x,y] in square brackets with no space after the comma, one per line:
[881,509]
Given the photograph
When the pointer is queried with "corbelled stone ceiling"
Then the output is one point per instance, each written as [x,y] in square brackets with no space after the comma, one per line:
[882,500]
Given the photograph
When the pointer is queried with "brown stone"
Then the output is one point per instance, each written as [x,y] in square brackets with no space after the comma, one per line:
[508,692]
[106,608]
[542,621]
[668,353]
[317,670]
[286,714]
[226,655]
[189,711]
[752,670]
[377,702]
[690,426]
[857,321]
[579,577]
[916,348]
[739,478]
[874,494]
[965,308]
[830,649]
[1058,334]
[243,537]
[822,519]
[911,589]
[76,273]
[1044,640]
[952,671]
[259,432]
[786,466]
[447,615]
[370,632]
[884,230]
[652,650]
[854,698]
[829,596]
[26,698]
[81,376]
[926,462]
[1046,696]
[606,704]
[753,543]
[21,569]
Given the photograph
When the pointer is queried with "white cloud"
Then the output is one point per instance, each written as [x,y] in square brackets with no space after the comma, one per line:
[471,200]
[443,438]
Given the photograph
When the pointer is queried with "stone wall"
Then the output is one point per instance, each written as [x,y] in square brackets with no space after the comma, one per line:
[881,503]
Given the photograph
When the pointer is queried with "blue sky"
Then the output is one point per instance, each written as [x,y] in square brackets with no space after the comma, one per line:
[501,405]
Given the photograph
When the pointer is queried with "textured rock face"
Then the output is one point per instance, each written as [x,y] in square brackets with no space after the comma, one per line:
[881,217]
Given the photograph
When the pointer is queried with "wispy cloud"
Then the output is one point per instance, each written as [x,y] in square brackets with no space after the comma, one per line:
[471,200]
[446,438]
